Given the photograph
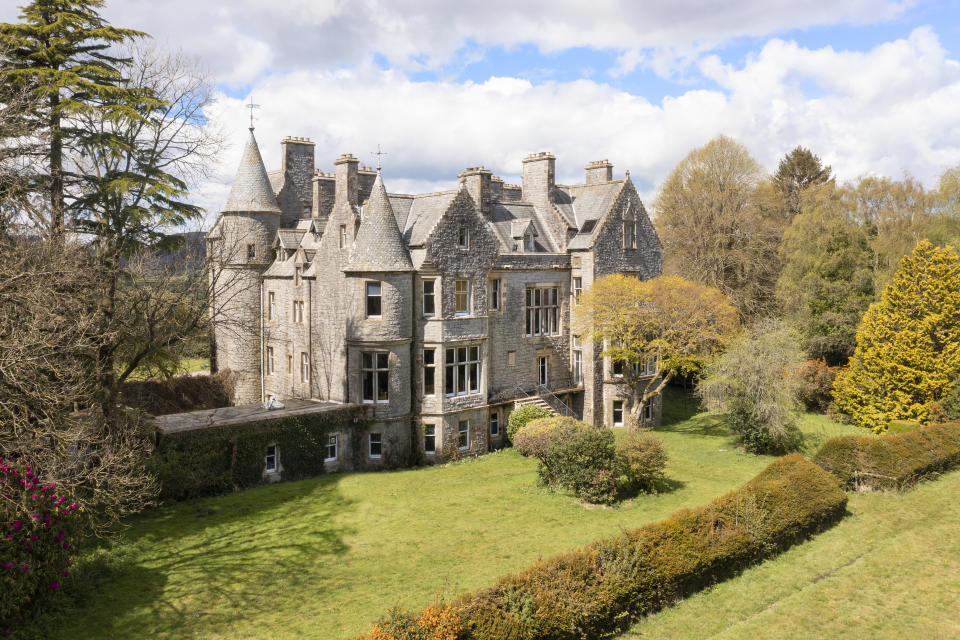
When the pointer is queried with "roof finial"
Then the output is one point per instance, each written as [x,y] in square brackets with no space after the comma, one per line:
[379,152]
[251,106]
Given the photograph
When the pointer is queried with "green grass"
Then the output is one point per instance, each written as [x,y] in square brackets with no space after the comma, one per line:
[324,558]
[187,365]
[891,570]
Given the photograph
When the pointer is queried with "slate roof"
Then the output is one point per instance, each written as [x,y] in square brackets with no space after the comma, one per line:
[588,204]
[289,238]
[378,245]
[505,216]
[424,214]
[251,190]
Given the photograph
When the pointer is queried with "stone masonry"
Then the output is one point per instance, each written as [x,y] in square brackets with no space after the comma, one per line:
[438,311]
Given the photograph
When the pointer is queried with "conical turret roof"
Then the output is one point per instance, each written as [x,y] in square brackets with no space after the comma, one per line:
[379,245]
[251,190]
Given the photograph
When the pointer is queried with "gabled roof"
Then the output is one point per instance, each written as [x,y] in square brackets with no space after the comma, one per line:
[251,190]
[378,245]
[288,238]
[589,203]
[505,217]
[424,214]
[519,227]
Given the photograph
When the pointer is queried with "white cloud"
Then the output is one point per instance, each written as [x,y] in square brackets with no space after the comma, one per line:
[883,111]
[242,39]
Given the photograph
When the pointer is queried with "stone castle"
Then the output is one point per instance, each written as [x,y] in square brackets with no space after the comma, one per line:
[440,311]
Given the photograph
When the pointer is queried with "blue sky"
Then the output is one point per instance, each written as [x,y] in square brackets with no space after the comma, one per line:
[870,85]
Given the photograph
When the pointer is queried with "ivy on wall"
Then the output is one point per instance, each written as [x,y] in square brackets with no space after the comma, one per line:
[220,459]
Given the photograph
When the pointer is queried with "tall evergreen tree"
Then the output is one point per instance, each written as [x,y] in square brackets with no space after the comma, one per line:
[908,345]
[797,171]
[60,55]
[826,283]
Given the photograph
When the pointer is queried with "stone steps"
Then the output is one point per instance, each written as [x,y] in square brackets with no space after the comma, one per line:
[534,400]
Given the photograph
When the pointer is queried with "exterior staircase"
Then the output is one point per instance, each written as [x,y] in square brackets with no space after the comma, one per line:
[534,400]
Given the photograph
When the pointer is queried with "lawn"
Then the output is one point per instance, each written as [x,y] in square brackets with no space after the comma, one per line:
[324,558]
[890,570]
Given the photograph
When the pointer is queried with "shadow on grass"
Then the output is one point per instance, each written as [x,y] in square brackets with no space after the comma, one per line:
[660,486]
[192,567]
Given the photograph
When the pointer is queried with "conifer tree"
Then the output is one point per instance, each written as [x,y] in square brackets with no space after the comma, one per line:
[59,53]
[797,171]
[908,345]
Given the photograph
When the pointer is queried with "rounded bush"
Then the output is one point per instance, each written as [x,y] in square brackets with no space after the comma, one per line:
[815,389]
[37,531]
[577,455]
[641,459]
[534,438]
[522,415]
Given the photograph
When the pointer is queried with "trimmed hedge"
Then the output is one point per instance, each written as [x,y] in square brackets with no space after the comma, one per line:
[891,461]
[599,589]
[216,460]
[180,393]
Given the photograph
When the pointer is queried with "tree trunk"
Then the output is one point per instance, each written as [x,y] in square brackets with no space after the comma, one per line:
[56,171]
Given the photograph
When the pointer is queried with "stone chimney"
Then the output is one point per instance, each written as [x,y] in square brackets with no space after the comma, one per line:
[539,177]
[478,182]
[599,171]
[347,182]
[297,158]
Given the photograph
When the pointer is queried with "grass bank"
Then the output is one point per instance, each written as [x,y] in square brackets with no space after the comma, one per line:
[324,558]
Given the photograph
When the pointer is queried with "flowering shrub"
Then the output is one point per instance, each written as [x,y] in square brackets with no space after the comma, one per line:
[36,530]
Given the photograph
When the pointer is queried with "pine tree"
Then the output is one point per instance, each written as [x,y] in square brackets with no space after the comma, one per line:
[59,54]
[908,345]
[799,170]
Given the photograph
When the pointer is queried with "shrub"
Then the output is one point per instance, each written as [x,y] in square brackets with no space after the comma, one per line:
[436,622]
[180,393]
[580,457]
[593,591]
[906,357]
[37,530]
[815,387]
[641,459]
[891,461]
[951,403]
[754,384]
[534,438]
[524,414]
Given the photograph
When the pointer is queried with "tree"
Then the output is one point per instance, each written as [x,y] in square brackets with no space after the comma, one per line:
[134,195]
[50,418]
[826,283]
[60,54]
[908,345]
[679,322]
[754,383]
[798,171]
[720,224]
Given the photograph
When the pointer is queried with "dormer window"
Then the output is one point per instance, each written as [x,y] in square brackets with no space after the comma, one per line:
[297,276]
[528,244]
[251,251]
[463,238]
[343,236]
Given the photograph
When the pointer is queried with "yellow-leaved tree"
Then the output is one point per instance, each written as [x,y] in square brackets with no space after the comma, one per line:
[679,322]
[908,344]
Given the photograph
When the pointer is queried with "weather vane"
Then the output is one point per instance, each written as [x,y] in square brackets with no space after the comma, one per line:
[379,152]
[251,106]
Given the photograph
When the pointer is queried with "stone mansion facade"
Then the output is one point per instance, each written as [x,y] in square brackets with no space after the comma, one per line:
[440,311]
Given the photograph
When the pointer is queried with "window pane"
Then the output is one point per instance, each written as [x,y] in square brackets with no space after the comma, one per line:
[382,360]
[428,356]
[474,378]
[448,380]
[368,385]
[461,354]
[474,353]
[383,386]
[461,379]
[367,360]
[428,383]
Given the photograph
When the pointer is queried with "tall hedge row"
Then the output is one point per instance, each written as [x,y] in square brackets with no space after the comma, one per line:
[600,588]
[891,461]
[215,460]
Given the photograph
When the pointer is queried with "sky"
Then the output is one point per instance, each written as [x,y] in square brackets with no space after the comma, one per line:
[871,86]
